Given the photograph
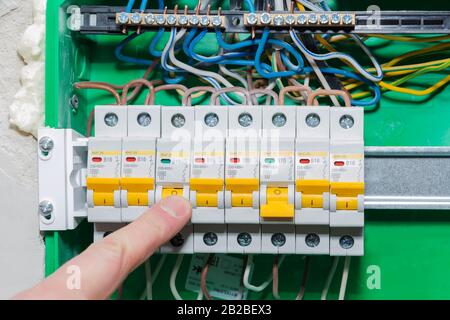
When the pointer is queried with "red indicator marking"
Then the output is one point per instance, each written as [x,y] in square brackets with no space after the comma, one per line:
[235,160]
[97,159]
[130,159]
[339,163]
[199,160]
[305,161]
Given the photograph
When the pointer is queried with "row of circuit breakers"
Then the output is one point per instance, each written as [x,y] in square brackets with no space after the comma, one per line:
[272,179]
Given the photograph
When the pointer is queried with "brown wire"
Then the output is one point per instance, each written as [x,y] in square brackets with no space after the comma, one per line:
[301,293]
[275,276]
[204,276]
[135,84]
[284,90]
[266,92]
[187,96]
[321,92]
[215,95]
[166,87]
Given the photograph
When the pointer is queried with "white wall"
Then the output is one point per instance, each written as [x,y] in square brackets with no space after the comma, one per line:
[21,247]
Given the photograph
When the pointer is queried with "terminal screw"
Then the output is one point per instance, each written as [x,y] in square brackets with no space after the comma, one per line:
[177,241]
[347,18]
[135,17]
[278,20]
[279,119]
[204,21]
[123,17]
[160,19]
[171,19]
[312,240]
[346,242]
[278,239]
[46,144]
[245,119]
[111,119]
[178,120]
[346,121]
[194,20]
[335,18]
[312,19]
[149,18]
[210,238]
[290,19]
[302,19]
[312,120]
[252,19]
[183,20]
[46,209]
[211,119]
[216,21]
[244,239]
[324,19]
[144,119]
[265,18]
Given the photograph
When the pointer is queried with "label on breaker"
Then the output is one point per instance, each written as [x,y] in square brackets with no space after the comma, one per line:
[104,164]
[242,165]
[208,164]
[138,164]
[277,166]
[312,165]
[173,166]
[347,167]
[224,276]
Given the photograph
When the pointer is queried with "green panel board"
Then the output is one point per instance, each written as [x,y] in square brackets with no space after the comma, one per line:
[411,248]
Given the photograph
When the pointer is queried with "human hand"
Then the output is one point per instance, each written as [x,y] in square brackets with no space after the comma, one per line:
[104,265]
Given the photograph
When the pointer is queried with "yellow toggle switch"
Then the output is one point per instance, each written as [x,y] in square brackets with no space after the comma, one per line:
[312,192]
[277,206]
[167,192]
[241,191]
[103,189]
[137,190]
[206,191]
[347,194]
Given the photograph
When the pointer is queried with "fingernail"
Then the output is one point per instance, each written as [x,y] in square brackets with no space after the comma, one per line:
[176,206]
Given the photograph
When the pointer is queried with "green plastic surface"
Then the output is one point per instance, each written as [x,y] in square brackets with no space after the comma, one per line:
[411,248]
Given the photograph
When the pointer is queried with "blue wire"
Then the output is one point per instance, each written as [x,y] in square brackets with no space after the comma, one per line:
[250,5]
[143,5]
[129,6]
[360,103]
[157,37]
[124,58]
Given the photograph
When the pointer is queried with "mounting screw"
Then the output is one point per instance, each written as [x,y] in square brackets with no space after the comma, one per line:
[211,119]
[144,119]
[245,119]
[46,209]
[278,239]
[177,241]
[244,239]
[312,120]
[74,102]
[46,144]
[346,121]
[279,119]
[178,120]
[210,238]
[312,240]
[346,242]
[111,119]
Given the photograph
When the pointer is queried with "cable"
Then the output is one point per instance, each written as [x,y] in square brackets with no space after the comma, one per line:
[329,280]
[344,277]
[410,39]
[143,5]
[148,280]
[247,271]
[129,6]
[275,268]
[173,277]
[301,293]
[203,277]
[124,58]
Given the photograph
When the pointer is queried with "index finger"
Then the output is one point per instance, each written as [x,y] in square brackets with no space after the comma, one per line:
[105,264]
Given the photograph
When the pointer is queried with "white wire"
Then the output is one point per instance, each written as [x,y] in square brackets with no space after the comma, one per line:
[148,280]
[173,277]
[322,79]
[330,277]
[247,271]
[344,277]
[154,275]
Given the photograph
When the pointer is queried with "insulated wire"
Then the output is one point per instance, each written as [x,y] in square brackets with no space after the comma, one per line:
[247,271]
[148,280]
[173,277]
[154,276]
[329,280]
[344,278]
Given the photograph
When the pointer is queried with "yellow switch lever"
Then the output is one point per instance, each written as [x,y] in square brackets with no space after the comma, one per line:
[137,188]
[103,189]
[277,206]
[312,192]
[347,194]
[241,191]
[206,191]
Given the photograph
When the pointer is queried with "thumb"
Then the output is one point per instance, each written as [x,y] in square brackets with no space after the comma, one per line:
[105,264]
